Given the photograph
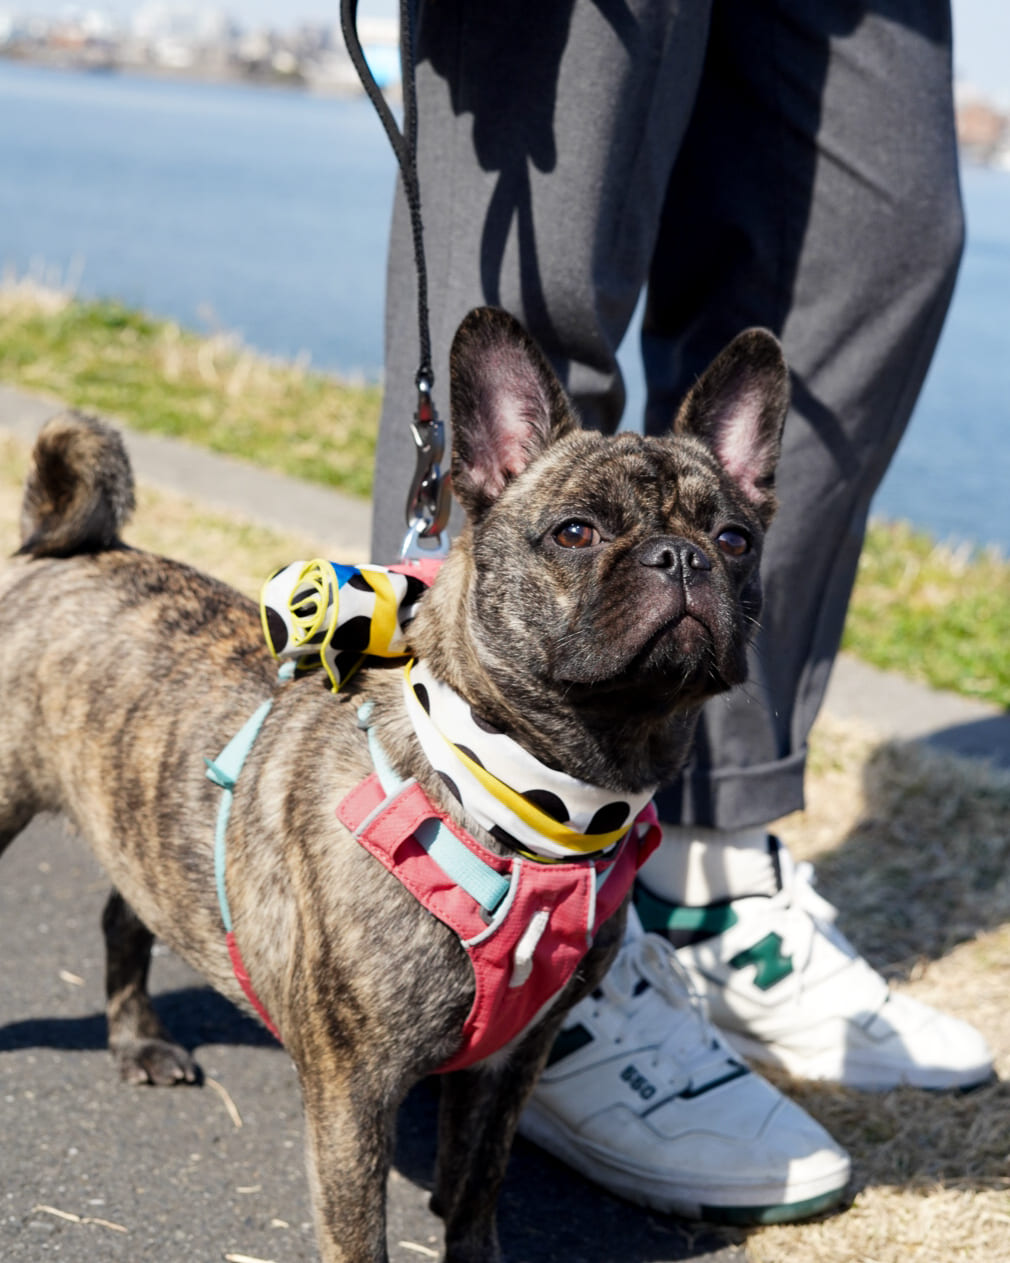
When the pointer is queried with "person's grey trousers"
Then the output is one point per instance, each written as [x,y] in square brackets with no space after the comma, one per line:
[774,162]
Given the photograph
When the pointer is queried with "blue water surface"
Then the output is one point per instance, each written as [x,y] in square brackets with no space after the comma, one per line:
[267,212]
[262,212]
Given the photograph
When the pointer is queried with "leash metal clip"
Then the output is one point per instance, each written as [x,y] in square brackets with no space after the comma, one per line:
[428,500]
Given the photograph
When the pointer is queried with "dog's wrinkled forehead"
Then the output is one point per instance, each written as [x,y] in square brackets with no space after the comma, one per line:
[672,485]
[513,424]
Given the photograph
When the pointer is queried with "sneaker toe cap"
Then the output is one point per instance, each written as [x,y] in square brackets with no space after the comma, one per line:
[745,1140]
[909,1042]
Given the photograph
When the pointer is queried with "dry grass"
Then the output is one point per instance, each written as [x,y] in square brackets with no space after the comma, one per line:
[934,612]
[25,296]
[241,553]
[164,379]
[914,847]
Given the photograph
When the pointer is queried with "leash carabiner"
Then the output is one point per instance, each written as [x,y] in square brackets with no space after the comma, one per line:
[429,495]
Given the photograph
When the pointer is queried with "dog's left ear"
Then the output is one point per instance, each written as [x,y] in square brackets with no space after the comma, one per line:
[737,408]
[507,406]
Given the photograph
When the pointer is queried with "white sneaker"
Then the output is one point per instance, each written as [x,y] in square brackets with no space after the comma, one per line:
[642,1095]
[788,989]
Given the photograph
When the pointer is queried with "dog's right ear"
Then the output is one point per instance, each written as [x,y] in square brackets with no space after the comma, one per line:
[507,406]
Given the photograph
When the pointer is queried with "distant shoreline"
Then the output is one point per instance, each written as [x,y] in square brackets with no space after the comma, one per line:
[988,147]
[77,64]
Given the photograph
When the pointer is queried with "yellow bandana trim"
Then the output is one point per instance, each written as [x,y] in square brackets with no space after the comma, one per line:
[529,813]
[385,620]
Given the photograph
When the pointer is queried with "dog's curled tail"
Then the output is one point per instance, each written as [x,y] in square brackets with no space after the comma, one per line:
[79,490]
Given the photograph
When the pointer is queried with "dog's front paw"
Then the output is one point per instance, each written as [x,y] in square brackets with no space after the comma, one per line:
[156,1061]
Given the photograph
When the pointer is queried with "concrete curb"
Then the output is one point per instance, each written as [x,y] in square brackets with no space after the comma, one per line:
[891,705]
[222,482]
[898,709]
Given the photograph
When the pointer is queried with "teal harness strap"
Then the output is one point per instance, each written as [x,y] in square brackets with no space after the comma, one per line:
[481,882]
[224,772]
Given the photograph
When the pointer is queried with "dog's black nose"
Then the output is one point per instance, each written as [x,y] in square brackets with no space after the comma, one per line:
[678,556]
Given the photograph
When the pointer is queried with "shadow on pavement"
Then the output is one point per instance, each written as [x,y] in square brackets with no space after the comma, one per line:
[193,1015]
[987,739]
[548,1213]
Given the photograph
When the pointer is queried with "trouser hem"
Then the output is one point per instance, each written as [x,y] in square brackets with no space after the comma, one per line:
[742,799]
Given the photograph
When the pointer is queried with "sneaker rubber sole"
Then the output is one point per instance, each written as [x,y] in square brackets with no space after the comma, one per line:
[752,1204]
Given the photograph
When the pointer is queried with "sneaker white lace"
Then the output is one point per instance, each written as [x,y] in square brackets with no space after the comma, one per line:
[642,1095]
[789,989]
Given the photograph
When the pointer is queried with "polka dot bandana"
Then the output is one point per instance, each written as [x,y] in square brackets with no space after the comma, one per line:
[516,798]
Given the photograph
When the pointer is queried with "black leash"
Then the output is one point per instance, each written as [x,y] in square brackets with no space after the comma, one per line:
[427,511]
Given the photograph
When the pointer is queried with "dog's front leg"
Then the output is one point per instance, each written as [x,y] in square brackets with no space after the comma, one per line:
[479,1113]
[478,1116]
[350,1119]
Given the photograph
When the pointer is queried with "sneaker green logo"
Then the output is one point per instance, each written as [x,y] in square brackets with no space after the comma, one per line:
[771,963]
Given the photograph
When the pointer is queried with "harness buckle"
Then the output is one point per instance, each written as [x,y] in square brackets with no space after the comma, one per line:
[428,501]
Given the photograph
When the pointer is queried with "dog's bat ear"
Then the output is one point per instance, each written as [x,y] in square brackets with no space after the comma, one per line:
[737,408]
[507,406]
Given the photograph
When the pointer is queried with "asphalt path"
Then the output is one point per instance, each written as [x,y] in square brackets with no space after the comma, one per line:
[173,1167]
[145,1174]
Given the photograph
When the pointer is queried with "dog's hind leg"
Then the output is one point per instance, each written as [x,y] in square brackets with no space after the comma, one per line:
[143,1049]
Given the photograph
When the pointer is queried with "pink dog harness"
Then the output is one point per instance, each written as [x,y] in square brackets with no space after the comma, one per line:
[525,923]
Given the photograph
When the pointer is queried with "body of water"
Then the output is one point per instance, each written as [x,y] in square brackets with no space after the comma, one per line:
[266,213]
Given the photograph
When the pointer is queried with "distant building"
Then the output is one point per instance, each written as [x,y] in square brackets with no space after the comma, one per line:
[983,129]
[979,126]
[180,38]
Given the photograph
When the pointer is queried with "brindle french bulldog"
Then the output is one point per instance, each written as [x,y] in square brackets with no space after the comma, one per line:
[602,589]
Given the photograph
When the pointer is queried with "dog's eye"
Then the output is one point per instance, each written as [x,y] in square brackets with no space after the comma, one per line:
[576,535]
[734,543]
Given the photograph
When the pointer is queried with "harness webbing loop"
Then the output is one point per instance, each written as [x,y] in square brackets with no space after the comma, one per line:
[224,772]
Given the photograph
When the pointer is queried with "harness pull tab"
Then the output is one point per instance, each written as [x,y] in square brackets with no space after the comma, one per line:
[429,496]
[522,965]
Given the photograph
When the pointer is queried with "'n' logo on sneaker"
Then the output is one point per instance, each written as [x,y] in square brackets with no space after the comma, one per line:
[770,962]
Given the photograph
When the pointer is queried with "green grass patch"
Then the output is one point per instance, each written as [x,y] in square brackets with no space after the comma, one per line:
[213,391]
[938,614]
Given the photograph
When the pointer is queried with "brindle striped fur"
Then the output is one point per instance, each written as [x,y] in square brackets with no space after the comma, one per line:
[121,671]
